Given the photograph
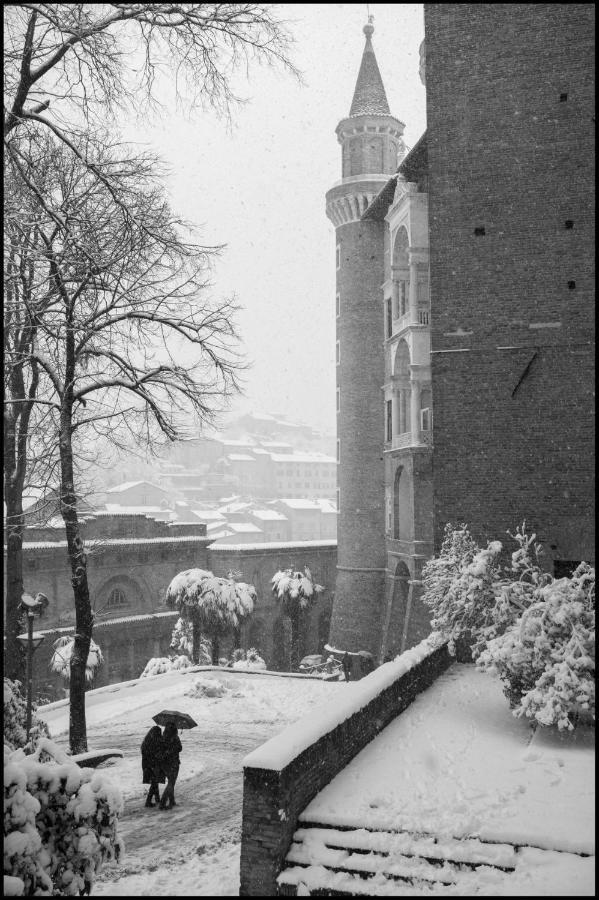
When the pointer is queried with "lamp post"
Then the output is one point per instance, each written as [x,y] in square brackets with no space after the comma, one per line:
[31,606]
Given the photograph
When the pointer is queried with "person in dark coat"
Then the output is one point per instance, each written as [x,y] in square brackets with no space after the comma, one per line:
[170,763]
[346,663]
[151,763]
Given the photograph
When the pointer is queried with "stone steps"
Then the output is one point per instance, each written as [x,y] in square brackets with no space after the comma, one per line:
[359,862]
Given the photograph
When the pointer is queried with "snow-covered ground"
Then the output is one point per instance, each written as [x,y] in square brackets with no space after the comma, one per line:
[193,849]
[455,762]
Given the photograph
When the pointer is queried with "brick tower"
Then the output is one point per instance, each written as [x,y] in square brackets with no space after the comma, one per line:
[371,141]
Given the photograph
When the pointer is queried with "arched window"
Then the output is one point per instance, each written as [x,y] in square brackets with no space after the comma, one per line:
[116,599]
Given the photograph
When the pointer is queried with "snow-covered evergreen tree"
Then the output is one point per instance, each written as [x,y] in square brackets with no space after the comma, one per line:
[459,587]
[60,823]
[546,659]
[15,719]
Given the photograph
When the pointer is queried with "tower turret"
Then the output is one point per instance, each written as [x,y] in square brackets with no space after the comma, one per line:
[371,142]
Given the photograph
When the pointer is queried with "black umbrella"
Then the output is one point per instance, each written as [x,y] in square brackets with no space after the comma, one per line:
[181,719]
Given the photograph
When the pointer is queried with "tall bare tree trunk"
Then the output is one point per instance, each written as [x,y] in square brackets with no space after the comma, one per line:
[78,560]
[13,654]
[17,416]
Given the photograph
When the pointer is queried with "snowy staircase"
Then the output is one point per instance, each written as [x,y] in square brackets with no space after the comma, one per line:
[325,861]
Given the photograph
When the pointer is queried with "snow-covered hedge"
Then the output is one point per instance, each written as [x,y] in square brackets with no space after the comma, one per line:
[15,719]
[536,632]
[60,823]
[546,659]
[252,661]
[160,664]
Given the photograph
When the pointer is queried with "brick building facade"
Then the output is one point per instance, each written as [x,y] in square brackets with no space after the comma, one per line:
[465,285]
[128,577]
[510,135]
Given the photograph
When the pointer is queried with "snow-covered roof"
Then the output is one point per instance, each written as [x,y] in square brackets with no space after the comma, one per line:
[126,485]
[276,444]
[249,442]
[113,542]
[209,515]
[326,506]
[240,456]
[260,451]
[219,535]
[275,545]
[300,503]
[218,523]
[138,510]
[269,515]
[244,527]
[235,507]
[299,457]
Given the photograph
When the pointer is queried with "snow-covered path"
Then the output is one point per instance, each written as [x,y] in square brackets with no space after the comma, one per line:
[193,849]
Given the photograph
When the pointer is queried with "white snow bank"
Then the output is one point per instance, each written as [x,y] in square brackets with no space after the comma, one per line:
[279,751]
[457,764]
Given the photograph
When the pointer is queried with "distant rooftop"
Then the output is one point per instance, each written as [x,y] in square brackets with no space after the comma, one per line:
[269,515]
[126,485]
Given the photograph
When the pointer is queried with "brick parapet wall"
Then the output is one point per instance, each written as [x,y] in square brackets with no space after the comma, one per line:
[274,800]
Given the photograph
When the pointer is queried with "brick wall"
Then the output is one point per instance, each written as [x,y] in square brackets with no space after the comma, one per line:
[511,172]
[143,571]
[360,528]
[273,800]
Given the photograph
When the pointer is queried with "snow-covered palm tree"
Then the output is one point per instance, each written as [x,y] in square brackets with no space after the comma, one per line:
[61,658]
[215,605]
[296,591]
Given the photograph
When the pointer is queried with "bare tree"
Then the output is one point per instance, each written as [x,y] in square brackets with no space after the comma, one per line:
[130,343]
[118,276]
[29,423]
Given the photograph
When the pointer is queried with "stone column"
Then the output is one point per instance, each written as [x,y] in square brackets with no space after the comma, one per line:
[395,411]
[413,311]
[415,409]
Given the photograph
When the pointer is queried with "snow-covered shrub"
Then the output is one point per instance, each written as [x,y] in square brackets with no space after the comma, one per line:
[252,661]
[61,658]
[182,642]
[60,823]
[206,687]
[238,653]
[15,719]
[546,659]
[472,596]
[160,664]
[459,587]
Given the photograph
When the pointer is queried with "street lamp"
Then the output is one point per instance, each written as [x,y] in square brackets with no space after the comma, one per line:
[32,606]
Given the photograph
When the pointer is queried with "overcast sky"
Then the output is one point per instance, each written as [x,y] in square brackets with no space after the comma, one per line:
[259,188]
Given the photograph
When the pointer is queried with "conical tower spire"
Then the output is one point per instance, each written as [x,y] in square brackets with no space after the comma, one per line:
[369,95]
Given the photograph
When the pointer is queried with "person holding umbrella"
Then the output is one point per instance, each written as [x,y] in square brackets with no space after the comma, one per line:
[151,763]
[170,762]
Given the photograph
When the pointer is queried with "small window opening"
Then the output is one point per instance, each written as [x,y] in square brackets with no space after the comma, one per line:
[569,223]
[480,231]
[563,98]
[571,285]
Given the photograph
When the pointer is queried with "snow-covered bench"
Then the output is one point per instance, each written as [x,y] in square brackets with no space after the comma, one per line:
[92,758]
